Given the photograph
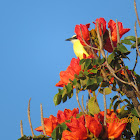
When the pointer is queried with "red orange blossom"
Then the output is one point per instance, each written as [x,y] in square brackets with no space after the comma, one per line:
[89,127]
[51,122]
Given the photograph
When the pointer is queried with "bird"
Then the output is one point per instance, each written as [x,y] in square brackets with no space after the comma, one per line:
[78,48]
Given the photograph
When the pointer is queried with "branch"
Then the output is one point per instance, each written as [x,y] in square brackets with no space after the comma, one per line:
[118,35]
[136,12]
[105,108]
[29,118]
[42,121]
[21,128]
[78,100]
[136,39]
[83,105]
[86,43]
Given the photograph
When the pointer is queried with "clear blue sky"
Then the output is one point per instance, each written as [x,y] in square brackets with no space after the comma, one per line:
[33,51]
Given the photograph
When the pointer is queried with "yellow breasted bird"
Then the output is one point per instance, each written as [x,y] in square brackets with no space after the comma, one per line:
[78,48]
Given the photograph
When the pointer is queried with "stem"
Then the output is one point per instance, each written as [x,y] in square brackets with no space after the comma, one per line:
[78,100]
[29,118]
[21,128]
[105,108]
[42,121]
[118,35]
[136,13]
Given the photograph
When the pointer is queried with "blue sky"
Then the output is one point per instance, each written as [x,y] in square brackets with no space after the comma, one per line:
[33,51]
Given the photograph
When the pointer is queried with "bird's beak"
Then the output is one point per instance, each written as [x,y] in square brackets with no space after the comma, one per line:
[69,39]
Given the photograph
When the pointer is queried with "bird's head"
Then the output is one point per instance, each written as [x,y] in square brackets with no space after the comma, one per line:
[72,39]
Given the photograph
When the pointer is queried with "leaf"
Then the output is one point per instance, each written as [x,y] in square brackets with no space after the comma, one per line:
[110,57]
[55,133]
[57,99]
[126,41]
[87,62]
[62,127]
[82,61]
[99,79]
[86,73]
[134,125]
[94,70]
[133,38]
[107,91]
[95,61]
[74,81]
[91,81]
[101,61]
[112,101]
[122,48]
[93,106]
[134,112]
[116,105]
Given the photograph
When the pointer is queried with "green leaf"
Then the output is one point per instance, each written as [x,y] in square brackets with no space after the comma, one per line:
[55,133]
[69,88]
[99,79]
[62,127]
[94,70]
[116,105]
[91,81]
[111,57]
[107,91]
[122,48]
[82,61]
[126,41]
[86,73]
[101,61]
[134,112]
[112,101]
[93,87]
[133,38]
[87,62]
[95,61]
[135,125]
[93,106]
[74,81]
[57,99]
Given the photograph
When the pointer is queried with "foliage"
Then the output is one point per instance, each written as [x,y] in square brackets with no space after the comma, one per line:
[98,73]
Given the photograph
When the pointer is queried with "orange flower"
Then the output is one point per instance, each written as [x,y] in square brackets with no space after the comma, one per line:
[50,124]
[108,45]
[93,125]
[84,31]
[73,68]
[100,21]
[115,126]
[77,128]
[66,115]
[113,28]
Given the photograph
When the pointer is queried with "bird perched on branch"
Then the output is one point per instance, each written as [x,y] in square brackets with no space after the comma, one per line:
[78,48]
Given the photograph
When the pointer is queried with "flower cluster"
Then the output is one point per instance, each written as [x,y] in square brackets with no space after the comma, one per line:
[51,122]
[84,127]
[83,33]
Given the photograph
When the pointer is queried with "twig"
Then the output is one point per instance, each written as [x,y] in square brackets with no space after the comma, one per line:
[42,121]
[136,61]
[29,118]
[86,43]
[21,128]
[111,39]
[83,104]
[105,108]
[92,48]
[78,100]
[100,41]
[136,13]
[118,35]
[136,39]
